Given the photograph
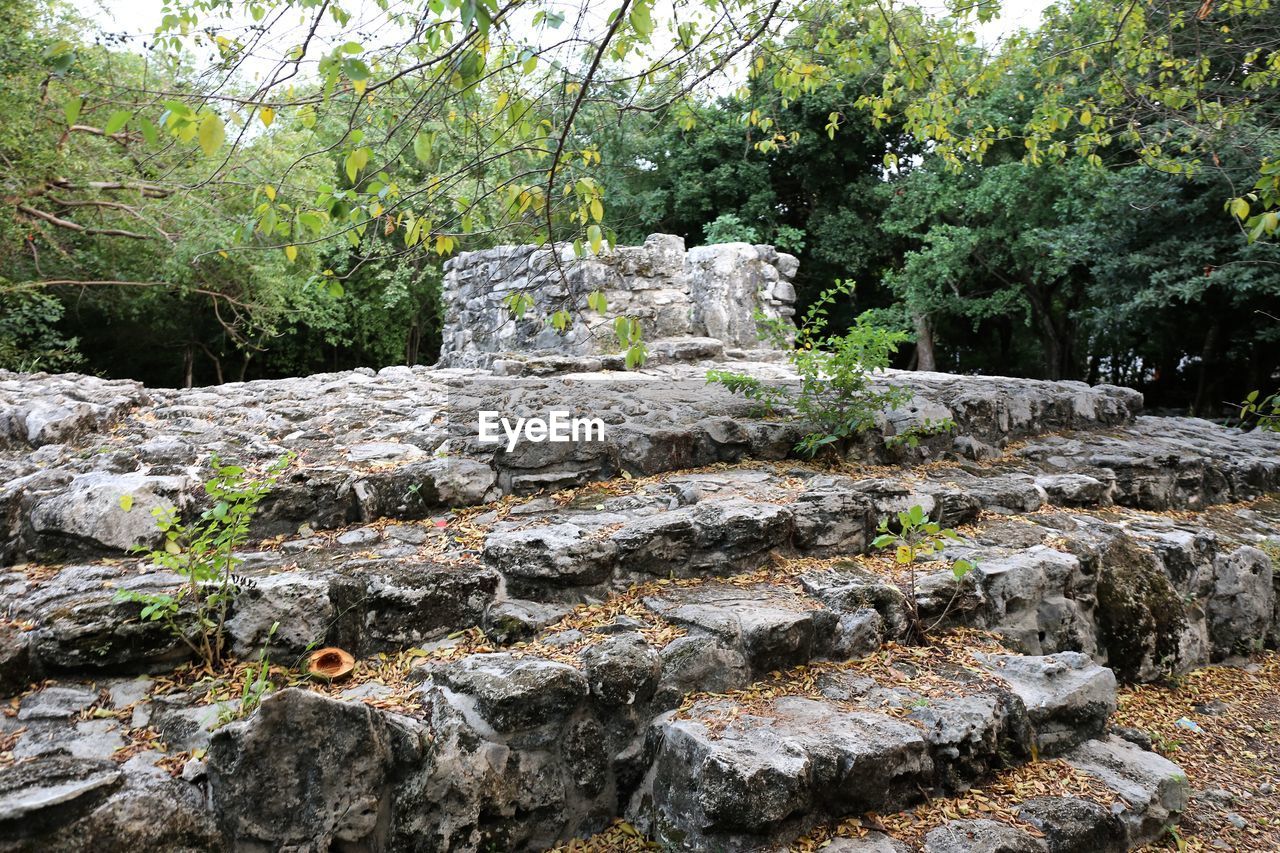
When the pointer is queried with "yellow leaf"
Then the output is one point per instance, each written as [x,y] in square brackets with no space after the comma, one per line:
[267,115]
[291,252]
[212,133]
[270,191]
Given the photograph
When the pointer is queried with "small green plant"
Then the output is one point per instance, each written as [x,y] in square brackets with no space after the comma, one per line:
[1262,413]
[836,394]
[915,537]
[630,336]
[789,239]
[911,437]
[257,683]
[203,554]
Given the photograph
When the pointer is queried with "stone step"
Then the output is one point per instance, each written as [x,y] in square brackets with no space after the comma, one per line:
[759,767]
[1048,582]
[1105,796]
[402,443]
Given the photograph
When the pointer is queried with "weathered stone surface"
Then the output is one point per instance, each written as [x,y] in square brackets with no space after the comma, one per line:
[772,631]
[622,670]
[62,407]
[80,624]
[1154,790]
[710,292]
[558,555]
[1145,627]
[749,780]
[697,663]
[1068,697]
[981,836]
[72,805]
[1071,825]
[309,772]
[513,693]
[403,443]
[89,510]
[513,620]
[1241,606]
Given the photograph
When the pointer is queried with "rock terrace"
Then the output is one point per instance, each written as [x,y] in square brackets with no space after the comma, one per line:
[682,628]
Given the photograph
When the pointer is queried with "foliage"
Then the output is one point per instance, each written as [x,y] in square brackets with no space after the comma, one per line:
[915,537]
[203,554]
[256,685]
[911,436]
[837,395]
[1093,198]
[729,228]
[29,338]
[1262,413]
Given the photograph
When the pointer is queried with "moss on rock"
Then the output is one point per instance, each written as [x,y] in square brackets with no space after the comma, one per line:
[1141,617]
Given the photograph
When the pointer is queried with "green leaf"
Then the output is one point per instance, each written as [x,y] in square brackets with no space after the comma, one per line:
[71,109]
[356,161]
[1240,208]
[126,502]
[641,19]
[597,301]
[212,133]
[149,132]
[884,540]
[118,119]
[596,238]
[355,69]
[422,144]
[637,354]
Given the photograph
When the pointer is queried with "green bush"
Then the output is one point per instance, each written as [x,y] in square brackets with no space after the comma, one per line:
[29,339]
[729,228]
[836,396]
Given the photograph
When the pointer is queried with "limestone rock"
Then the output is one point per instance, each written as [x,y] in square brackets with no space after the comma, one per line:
[512,692]
[310,772]
[1068,697]
[1154,790]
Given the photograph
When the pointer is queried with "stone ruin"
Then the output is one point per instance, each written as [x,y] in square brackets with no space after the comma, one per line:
[682,626]
[701,301]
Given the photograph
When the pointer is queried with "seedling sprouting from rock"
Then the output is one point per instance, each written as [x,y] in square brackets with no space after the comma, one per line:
[916,537]
[203,554]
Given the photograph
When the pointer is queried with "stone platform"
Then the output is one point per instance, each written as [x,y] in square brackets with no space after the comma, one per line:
[684,627]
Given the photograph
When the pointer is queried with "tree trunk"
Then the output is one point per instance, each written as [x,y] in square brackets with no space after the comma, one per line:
[925,359]
[1207,381]
[188,367]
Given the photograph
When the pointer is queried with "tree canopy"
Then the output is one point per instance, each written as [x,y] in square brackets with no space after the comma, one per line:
[266,187]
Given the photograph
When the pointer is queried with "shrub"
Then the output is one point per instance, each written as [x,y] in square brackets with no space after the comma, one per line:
[836,394]
[729,228]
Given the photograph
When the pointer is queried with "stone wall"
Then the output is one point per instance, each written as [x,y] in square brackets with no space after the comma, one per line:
[705,292]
